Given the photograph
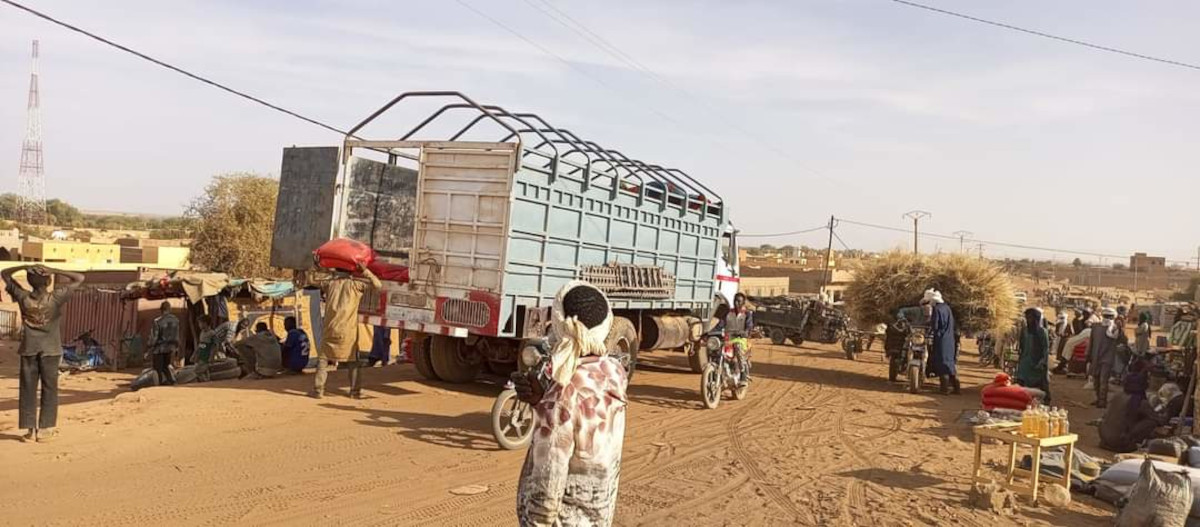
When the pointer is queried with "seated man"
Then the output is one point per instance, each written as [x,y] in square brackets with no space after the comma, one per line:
[259,353]
[1130,419]
[295,347]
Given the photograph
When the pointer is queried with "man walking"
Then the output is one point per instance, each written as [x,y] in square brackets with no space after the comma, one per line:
[41,344]
[339,331]
[164,343]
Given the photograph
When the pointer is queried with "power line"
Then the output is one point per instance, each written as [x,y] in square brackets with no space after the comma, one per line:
[562,18]
[969,240]
[839,239]
[1036,33]
[777,234]
[496,22]
[176,69]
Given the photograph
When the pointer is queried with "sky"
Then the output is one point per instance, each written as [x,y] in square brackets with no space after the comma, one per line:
[792,110]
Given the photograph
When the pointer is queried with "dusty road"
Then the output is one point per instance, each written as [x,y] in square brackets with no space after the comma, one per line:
[819,441]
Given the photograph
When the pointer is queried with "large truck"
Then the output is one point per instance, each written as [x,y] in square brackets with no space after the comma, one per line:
[493,212]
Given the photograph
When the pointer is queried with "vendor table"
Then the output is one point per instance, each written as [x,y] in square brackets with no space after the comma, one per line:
[1009,434]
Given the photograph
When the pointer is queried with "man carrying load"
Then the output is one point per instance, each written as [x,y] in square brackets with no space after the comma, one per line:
[339,330]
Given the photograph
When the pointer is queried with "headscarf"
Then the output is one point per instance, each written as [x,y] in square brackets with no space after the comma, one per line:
[581,318]
[1136,384]
[933,296]
[1033,320]
[1144,318]
[1168,392]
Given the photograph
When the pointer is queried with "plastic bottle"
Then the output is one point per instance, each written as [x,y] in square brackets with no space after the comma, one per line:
[1026,420]
[1055,422]
[1066,422]
[1043,423]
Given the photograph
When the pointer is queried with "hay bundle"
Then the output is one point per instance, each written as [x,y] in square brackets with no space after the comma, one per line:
[979,293]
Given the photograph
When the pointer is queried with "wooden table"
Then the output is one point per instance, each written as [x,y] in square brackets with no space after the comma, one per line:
[1009,434]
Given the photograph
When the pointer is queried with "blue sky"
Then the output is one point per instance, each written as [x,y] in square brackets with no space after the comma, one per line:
[792,110]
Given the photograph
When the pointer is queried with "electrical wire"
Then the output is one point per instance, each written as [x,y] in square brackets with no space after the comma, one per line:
[1036,33]
[566,62]
[838,237]
[991,243]
[171,67]
[567,21]
[805,231]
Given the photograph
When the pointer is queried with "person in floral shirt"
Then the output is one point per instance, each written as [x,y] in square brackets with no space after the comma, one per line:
[573,465]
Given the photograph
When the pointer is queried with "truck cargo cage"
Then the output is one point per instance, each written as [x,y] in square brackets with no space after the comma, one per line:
[579,160]
[619,280]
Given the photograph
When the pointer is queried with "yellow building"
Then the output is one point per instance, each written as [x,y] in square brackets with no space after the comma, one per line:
[62,251]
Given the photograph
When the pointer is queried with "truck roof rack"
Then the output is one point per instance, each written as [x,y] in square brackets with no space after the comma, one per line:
[661,184]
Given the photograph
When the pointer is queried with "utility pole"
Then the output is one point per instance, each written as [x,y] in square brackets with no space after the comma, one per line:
[962,237]
[980,247]
[825,271]
[916,216]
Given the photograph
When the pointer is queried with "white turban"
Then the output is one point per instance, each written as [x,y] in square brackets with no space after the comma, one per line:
[575,339]
[933,296]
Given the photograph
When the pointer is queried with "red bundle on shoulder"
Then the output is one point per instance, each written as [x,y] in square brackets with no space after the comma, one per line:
[344,254]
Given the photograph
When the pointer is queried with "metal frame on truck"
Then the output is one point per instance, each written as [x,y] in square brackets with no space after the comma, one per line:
[491,229]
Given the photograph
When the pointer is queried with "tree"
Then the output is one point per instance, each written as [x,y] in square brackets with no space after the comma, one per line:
[233,225]
[1119,266]
[766,248]
[1077,263]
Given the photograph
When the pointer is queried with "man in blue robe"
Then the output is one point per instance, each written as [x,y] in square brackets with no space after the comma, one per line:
[943,353]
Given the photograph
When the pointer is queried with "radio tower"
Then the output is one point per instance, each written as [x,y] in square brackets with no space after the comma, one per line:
[31,184]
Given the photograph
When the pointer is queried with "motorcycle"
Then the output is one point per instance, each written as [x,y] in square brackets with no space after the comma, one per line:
[719,373]
[987,351]
[512,418]
[909,361]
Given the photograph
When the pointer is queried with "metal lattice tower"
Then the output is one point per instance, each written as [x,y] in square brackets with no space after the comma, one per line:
[31,183]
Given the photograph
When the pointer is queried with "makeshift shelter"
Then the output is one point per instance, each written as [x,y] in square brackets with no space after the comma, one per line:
[217,295]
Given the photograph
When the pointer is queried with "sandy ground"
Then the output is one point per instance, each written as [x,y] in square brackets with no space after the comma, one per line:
[819,441]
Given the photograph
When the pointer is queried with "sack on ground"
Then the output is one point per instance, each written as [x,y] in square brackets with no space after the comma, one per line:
[185,375]
[224,375]
[147,379]
[1172,447]
[1158,498]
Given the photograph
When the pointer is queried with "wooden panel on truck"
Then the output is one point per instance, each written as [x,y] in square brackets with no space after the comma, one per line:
[304,208]
[380,207]
[462,219]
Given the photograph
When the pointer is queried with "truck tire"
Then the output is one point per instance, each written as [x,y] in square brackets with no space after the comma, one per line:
[777,336]
[422,358]
[452,360]
[622,342]
[698,359]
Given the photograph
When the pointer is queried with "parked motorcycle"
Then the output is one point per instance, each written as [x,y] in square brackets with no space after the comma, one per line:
[722,370]
[909,361]
[512,418]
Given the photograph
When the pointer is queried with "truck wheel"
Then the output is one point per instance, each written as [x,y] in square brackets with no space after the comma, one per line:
[777,336]
[421,357]
[797,340]
[622,343]
[698,359]
[453,360]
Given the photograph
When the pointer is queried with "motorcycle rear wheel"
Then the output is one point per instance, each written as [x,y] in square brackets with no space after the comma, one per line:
[914,379]
[710,386]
